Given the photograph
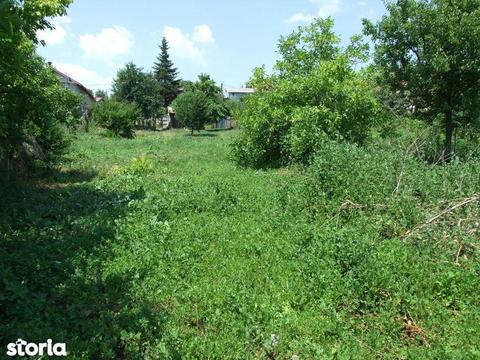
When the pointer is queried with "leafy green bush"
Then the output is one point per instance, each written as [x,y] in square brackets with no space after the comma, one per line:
[35,117]
[389,185]
[306,102]
[133,85]
[34,108]
[264,131]
[117,117]
[192,110]
[60,113]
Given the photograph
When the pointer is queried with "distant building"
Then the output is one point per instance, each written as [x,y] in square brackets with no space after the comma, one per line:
[237,93]
[78,88]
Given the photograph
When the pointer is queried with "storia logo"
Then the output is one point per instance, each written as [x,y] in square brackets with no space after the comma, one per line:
[23,348]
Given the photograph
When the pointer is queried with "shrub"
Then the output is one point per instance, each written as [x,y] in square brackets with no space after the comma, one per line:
[60,114]
[315,95]
[35,117]
[117,117]
[192,109]
[133,85]
[387,187]
[294,119]
[264,131]
[34,108]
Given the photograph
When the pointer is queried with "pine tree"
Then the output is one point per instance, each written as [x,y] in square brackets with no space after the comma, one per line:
[166,75]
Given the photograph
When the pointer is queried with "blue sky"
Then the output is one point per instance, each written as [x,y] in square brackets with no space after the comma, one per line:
[225,39]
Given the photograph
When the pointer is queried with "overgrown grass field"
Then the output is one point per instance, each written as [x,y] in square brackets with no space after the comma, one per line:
[160,247]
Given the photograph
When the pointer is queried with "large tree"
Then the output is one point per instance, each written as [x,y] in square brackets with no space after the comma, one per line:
[134,85]
[127,84]
[191,109]
[99,93]
[166,75]
[429,50]
[33,106]
[216,105]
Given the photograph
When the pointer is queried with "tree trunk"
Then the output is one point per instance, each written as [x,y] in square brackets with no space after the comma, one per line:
[447,155]
[87,125]
[8,159]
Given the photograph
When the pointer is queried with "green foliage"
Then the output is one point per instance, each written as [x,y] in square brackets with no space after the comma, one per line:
[135,86]
[35,115]
[260,80]
[22,19]
[127,84]
[315,95]
[101,94]
[192,109]
[55,110]
[140,165]
[117,117]
[166,75]
[150,101]
[34,108]
[305,49]
[216,104]
[159,247]
[187,85]
[428,51]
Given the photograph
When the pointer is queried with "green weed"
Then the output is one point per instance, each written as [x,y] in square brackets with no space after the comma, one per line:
[160,247]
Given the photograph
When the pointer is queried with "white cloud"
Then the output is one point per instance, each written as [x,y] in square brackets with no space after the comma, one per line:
[107,44]
[89,78]
[300,17]
[57,35]
[362,3]
[188,46]
[203,34]
[326,8]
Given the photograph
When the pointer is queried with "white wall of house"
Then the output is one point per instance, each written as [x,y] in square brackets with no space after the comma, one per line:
[237,94]
[88,100]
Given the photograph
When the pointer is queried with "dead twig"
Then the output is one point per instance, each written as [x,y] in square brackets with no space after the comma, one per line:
[417,143]
[397,188]
[412,330]
[350,204]
[459,251]
[464,202]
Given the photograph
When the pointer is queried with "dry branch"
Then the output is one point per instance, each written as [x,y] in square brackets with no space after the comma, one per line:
[464,202]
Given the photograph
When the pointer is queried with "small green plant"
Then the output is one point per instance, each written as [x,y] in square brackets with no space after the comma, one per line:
[140,165]
[117,117]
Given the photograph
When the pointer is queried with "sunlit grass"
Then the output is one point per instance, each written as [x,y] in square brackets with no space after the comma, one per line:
[160,247]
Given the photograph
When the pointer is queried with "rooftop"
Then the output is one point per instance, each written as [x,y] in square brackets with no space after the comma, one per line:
[73,81]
